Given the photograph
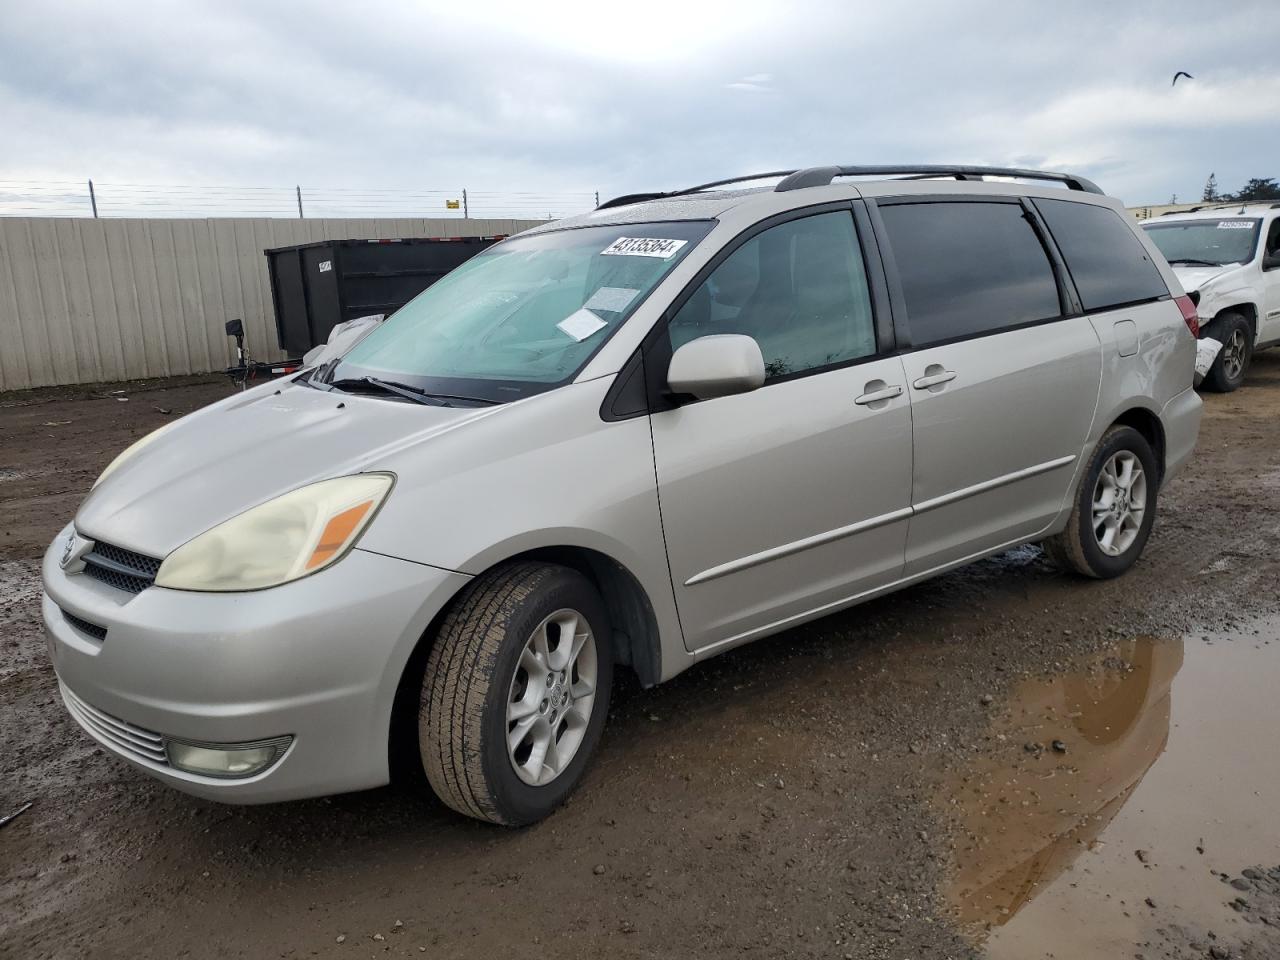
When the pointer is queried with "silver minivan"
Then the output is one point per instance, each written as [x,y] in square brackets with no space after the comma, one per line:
[632,439]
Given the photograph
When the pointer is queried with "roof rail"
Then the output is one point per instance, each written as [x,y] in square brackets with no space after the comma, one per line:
[1228,206]
[642,197]
[821,176]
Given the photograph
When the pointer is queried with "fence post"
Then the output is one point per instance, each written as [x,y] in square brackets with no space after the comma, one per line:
[597,198]
[465,212]
[93,200]
[299,190]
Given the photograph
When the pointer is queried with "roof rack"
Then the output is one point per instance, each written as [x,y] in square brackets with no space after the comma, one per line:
[642,197]
[822,176]
[1227,206]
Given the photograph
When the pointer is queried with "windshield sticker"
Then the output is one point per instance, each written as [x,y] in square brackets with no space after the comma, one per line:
[1235,224]
[581,324]
[643,247]
[611,299]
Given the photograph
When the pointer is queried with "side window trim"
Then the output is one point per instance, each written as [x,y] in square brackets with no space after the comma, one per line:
[1068,301]
[655,358]
[877,278]
[1068,296]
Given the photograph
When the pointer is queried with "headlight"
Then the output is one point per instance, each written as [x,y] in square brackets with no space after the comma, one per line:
[130,450]
[289,537]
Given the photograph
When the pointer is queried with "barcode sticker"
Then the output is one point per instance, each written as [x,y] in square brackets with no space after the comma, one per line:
[1235,224]
[643,247]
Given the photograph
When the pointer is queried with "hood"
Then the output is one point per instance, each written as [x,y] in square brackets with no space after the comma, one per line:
[1194,278]
[246,450]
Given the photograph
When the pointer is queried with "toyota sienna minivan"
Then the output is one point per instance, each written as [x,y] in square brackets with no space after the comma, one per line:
[632,439]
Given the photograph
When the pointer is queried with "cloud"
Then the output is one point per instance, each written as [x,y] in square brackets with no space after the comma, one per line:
[755,83]
[577,97]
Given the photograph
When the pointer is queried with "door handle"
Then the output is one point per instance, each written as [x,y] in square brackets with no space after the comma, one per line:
[933,379]
[884,393]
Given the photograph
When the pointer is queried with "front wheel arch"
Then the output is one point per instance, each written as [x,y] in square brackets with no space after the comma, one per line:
[635,643]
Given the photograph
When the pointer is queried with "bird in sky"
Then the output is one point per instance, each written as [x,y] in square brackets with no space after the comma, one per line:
[1181,73]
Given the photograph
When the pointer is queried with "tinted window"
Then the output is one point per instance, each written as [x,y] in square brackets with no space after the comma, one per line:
[969,269]
[1108,263]
[799,289]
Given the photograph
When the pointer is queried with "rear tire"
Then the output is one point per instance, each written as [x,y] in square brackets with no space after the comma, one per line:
[1114,509]
[515,693]
[1232,361]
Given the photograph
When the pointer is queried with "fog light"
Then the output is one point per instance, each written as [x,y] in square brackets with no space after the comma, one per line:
[226,759]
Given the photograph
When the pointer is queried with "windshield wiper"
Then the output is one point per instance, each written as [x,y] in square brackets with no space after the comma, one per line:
[390,386]
[1191,261]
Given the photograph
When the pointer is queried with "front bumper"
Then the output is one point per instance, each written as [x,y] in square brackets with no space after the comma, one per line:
[318,660]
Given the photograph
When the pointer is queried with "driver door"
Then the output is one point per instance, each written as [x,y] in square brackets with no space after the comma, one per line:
[789,500]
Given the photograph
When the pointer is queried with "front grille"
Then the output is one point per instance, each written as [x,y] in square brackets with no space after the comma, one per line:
[84,626]
[134,742]
[121,568]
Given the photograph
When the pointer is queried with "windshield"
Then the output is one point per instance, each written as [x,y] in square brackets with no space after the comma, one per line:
[523,316]
[1211,242]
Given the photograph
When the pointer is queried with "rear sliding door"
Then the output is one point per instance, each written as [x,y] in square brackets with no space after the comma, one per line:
[1003,379]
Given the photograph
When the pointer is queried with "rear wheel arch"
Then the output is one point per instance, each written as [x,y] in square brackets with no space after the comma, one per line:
[1147,423]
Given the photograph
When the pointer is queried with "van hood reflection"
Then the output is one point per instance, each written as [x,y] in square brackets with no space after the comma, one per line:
[1019,825]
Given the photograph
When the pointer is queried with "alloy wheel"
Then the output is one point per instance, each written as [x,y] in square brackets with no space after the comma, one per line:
[1119,503]
[551,697]
[1233,354]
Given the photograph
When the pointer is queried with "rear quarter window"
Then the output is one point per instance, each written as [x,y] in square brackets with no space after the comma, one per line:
[1109,265]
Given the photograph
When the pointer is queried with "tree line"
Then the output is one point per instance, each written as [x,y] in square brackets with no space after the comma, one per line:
[1256,188]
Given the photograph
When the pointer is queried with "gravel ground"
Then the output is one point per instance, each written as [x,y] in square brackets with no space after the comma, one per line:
[780,800]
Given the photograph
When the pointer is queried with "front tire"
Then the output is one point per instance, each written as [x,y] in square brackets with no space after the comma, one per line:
[515,693]
[1232,362]
[1114,509]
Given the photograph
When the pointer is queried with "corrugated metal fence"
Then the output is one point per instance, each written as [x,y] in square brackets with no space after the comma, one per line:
[86,300]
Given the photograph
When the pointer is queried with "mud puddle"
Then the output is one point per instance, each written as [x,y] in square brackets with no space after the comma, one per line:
[1122,804]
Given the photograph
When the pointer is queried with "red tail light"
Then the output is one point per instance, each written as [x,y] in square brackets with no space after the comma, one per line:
[1189,314]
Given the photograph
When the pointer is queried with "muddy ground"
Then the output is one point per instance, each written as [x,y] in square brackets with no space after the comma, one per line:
[883,783]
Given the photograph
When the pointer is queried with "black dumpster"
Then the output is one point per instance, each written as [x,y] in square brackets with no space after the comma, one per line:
[315,286]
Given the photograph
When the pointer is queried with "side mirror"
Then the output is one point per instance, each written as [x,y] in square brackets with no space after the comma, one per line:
[716,366]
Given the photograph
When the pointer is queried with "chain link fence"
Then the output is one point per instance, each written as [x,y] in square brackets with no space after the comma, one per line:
[91,198]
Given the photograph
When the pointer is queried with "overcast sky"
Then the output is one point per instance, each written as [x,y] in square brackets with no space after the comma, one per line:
[554,96]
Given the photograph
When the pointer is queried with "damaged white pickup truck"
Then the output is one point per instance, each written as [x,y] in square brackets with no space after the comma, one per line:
[1227,257]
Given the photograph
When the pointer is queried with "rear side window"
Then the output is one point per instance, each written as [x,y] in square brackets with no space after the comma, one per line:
[969,269]
[1108,263]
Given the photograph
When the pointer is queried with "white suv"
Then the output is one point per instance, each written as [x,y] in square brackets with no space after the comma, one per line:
[1227,258]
